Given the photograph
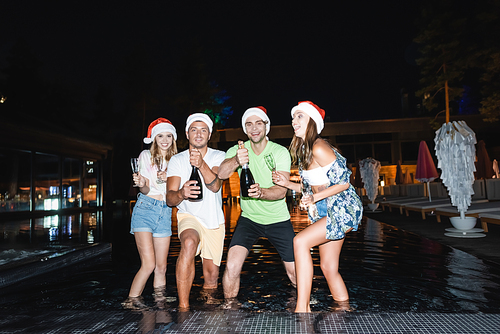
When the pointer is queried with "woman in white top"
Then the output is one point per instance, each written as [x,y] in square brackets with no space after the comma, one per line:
[337,208]
[151,222]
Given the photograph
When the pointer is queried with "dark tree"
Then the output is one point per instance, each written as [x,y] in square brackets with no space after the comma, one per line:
[459,44]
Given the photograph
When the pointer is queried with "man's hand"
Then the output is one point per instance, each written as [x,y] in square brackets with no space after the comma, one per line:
[190,189]
[241,154]
[255,191]
[195,158]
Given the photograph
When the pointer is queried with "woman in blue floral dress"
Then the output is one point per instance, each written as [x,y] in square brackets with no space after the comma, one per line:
[333,205]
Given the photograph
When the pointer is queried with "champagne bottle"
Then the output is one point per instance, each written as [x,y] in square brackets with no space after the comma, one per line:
[246,177]
[195,176]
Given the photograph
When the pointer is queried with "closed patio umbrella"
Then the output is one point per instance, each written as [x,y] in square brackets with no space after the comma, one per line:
[456,152]
[426,169]
[484,167]
[399,174]
[358,182]
[407,177]
[370,169]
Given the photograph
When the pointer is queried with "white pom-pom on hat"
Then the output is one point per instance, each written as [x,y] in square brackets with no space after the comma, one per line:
[256,111]
[158,126]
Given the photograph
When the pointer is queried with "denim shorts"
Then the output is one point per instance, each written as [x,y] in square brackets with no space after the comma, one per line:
[151,215]
[321,206]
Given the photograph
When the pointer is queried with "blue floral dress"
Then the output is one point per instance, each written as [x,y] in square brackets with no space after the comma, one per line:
[345,209]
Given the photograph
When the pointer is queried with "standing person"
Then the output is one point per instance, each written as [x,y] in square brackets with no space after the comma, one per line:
[264,212]
[151,218]
[325,181]
[200,223]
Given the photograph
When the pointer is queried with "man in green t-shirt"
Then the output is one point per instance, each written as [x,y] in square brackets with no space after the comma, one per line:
[264,212]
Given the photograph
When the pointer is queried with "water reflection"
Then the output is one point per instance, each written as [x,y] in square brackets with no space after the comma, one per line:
[385,270]
[26,238]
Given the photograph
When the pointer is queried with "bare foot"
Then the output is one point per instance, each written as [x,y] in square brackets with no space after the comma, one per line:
[231,304]
[303,310]
[134,303]
[341,306]
[208,295]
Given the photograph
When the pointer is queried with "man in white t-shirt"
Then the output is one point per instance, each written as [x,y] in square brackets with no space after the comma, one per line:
[200,223]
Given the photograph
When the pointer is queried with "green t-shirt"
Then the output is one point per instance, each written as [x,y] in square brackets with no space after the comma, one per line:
[258,210]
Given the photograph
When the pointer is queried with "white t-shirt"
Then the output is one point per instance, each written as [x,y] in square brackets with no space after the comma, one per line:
[150,172]
[209,209]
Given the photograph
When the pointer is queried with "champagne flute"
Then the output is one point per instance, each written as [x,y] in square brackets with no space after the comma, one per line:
[312,209]
[159,166]
[270,162]
[134,162]
[301,205]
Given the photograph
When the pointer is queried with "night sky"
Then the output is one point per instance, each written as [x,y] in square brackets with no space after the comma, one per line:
[351,58]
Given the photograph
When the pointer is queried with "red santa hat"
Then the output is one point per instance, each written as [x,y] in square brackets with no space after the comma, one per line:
[158,126]
[315,112]
[256,111]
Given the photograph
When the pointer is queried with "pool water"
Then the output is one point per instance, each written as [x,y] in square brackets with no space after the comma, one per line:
[385,270]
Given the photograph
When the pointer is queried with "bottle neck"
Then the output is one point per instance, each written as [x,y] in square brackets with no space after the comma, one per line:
[245,166]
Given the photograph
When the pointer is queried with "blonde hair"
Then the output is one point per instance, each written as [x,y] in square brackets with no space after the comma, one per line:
[156,152]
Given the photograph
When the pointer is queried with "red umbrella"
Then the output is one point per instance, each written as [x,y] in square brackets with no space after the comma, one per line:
[399,174]
[426,169]
[484,167]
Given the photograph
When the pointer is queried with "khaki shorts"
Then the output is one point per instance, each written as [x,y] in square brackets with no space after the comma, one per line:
[211,240]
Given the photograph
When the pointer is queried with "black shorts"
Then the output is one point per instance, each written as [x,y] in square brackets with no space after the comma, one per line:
[279,234]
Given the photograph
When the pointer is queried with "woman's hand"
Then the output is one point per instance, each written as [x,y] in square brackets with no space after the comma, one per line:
[139,180]
[307,200]
[280,180]
[162,176]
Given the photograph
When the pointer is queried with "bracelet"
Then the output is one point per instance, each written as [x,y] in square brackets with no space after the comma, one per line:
[211,183]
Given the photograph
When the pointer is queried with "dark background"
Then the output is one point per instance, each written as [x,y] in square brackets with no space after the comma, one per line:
[351,58]
[104,70]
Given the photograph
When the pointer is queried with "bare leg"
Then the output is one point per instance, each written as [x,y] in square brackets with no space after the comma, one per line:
[144,242]
[210,277]
[290,271]
[185,268]
[210,274]
[311,236]
[329,254]
[231,280]
[161,246]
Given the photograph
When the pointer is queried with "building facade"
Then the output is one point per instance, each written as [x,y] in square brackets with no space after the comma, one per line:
[388,141]
[45,172]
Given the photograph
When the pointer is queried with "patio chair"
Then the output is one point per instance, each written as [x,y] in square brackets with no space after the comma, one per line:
[492,217]
[493,189]
[474,210]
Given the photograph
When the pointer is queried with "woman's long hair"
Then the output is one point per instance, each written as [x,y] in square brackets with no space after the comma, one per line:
[301,150]
[156,152]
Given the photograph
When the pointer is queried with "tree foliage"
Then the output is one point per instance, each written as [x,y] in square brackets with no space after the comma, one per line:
[459,44]
[195,92]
